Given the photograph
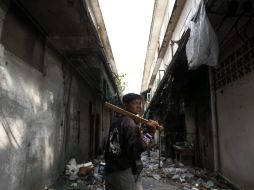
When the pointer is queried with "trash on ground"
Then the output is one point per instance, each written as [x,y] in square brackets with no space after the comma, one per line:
[84,176]
[90,175]
[156,176]
[72,169]
[188,177]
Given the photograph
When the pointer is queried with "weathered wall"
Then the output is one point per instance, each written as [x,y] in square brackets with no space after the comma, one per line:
[78,117]
[204,144]
[235,114]
[44,111]
[190,123]
[31,131]
[106,120]
[198,118]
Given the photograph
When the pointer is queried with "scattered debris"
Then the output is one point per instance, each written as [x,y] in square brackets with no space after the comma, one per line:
[90,175]
[156,176]
[189,178]
[85,176]
[72,169]
[86,168]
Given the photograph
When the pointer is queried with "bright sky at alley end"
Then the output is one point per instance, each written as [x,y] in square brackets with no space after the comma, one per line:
[128,25]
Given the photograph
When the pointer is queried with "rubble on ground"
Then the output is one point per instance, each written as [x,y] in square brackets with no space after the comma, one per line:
[90,175]
[85,176]
[186,177]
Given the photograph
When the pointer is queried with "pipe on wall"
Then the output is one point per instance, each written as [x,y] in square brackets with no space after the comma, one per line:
[214,120]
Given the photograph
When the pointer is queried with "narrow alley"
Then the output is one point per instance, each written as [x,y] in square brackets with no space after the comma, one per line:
[61,93]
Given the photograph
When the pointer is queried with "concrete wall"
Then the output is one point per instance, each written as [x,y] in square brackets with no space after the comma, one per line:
[78,118]
[190,123]
[44,109]
[235,110]
[204,143]
[198,118]
[31,132]
[235,120]
[106,120]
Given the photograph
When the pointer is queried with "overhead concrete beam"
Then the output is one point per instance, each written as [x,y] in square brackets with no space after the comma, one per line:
[95,11]
[167,38]
[159,11]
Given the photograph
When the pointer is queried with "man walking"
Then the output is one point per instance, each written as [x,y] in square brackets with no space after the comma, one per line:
[124,147]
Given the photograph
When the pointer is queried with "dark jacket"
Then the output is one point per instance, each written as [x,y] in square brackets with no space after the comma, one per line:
[124,145]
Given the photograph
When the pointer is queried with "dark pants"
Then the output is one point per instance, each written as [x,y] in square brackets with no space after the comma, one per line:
[123,180]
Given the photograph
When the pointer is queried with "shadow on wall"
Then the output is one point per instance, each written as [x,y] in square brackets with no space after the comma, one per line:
[30,134]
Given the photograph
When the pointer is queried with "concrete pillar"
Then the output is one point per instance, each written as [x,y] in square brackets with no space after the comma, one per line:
[3,11]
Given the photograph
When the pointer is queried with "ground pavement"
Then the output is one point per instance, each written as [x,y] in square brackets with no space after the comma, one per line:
[150,183]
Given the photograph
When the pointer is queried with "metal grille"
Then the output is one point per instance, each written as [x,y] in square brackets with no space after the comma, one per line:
[239,63]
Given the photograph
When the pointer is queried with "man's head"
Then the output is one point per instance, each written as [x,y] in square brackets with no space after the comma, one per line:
[132,102]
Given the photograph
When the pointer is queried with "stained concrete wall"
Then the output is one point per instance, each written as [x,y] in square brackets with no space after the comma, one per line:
[44,111]
[78,118]
[198,118]
[235,107]
[190,123]
[106,120]
[235,112]
[31,130]
[204,143]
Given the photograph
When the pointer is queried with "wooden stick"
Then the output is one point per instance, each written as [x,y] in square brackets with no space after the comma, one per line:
[124,112]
